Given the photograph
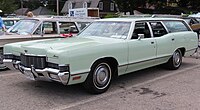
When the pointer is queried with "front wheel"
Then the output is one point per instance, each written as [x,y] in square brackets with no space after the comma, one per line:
[175,61]
[99,78]
[2,66]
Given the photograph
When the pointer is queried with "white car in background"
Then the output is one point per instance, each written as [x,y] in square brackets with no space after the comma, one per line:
[8,22]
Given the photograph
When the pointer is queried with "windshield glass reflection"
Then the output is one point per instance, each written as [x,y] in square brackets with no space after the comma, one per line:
[110,29]
[23,27]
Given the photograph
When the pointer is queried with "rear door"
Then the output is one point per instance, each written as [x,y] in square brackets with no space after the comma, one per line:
[165,42]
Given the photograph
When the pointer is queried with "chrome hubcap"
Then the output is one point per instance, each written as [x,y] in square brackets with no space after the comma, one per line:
[177,59]
[102,76]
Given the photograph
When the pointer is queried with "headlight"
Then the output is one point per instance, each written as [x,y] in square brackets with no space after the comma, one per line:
[64,68]
[11,56]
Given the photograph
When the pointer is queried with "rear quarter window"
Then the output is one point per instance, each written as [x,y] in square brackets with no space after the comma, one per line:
[176,26]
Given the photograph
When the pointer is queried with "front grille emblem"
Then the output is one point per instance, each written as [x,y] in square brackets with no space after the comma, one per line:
[55,56]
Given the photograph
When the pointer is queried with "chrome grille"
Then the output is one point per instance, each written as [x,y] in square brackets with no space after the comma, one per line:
[39,62]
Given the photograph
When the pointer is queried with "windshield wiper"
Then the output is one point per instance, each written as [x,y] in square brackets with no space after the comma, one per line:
[14,31]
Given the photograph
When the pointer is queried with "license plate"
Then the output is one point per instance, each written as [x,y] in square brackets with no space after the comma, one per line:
[29,75]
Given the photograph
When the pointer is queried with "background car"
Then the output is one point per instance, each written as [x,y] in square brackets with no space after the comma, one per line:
[8,22]
[193,22]
[42,28]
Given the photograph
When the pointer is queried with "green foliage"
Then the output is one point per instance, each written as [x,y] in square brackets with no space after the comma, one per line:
[111,15]
[32,4]
[8,6]
[130,5]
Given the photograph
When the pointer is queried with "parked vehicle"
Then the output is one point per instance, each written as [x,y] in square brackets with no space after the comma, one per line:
[197,16]
[193,22]
[8,22]
[106,48]
[42,28]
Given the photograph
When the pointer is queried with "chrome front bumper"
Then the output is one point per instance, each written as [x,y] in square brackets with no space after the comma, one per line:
[38,74]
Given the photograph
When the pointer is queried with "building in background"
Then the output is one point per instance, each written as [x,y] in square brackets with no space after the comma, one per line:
[105,6]
[42,11]
[21,11]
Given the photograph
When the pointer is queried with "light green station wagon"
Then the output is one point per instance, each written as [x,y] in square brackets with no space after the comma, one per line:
[106,48]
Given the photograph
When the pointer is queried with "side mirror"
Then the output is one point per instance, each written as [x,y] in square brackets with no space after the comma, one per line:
[140,36]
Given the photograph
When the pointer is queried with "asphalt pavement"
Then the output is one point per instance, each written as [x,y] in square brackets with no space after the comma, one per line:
[150,89]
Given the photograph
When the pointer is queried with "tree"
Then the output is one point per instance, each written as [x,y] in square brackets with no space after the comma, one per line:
[31,4]
[8,6]
[183,3]
[195,4]
[130,5]
[161,5]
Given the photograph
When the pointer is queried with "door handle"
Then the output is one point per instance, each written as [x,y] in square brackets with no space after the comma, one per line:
[152,42]
[173,39]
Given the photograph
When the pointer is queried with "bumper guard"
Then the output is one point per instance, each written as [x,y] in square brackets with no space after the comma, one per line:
[38,74]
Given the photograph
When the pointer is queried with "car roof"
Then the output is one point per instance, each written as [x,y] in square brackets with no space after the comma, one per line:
[10,18]
[139,19]
[67,19]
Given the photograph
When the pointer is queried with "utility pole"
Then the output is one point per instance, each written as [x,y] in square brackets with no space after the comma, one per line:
[57,6]
[22,6]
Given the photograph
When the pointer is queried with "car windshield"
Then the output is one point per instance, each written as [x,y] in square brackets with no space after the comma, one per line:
[107,29]
[23,27]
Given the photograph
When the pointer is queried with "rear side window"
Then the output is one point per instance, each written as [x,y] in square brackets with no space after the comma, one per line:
[49,27]
[176,26]
[158,29]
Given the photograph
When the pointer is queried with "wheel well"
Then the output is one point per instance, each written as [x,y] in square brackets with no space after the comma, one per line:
[113,64]
[182,51]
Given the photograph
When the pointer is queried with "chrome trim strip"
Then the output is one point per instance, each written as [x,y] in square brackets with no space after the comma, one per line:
[143,61]
[33,55]
[62,77]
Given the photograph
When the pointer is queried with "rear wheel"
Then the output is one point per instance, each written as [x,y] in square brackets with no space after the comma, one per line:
[175,61]
[99,78]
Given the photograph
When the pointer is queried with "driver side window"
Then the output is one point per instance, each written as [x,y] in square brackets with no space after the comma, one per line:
[38,31]
[141,28]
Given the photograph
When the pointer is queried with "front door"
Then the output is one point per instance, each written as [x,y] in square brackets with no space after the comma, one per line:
[142,51]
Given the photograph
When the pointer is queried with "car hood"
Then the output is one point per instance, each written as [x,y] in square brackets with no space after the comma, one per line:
[60,45]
